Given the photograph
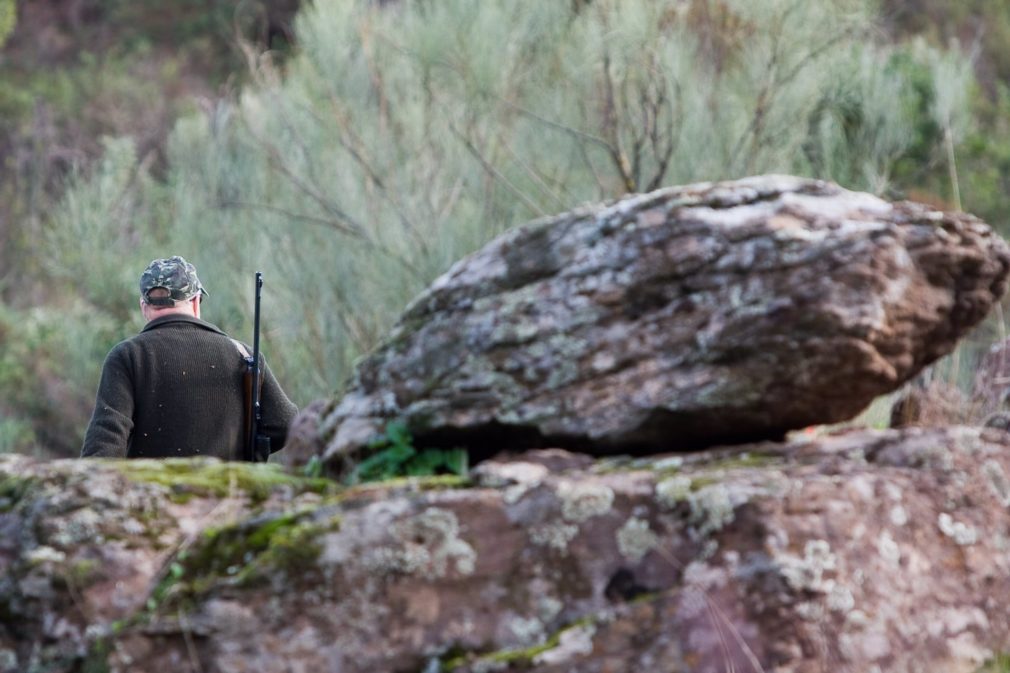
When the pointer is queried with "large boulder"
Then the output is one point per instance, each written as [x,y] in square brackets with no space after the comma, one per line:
[863,551]
[683,318]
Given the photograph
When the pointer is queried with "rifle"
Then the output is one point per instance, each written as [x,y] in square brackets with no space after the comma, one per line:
[257,445]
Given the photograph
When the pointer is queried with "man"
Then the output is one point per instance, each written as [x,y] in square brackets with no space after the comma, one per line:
[176,389]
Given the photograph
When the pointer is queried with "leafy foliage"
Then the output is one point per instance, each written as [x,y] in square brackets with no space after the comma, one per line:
[40,379]
[985,159]
[8,17]
[394,455]
[16,435]
[985,24]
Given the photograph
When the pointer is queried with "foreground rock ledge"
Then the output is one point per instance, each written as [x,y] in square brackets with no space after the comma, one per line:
[683,318]
[862,551]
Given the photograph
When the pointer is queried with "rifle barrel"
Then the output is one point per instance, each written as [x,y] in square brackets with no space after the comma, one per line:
[254,430]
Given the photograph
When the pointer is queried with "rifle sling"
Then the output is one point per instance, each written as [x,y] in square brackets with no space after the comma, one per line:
[247,392]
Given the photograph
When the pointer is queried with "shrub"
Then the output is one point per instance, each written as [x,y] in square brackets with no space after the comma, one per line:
[8,17]
[49,368]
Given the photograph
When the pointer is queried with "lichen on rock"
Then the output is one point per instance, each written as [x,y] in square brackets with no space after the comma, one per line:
[960,532]
[582,501]
[635,539]
[427,544]
[670,492]
[807,572]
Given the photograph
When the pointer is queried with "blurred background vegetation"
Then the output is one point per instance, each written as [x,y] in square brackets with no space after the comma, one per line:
[353,149]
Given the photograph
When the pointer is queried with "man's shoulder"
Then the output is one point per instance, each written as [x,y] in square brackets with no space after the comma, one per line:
[122,353]
[167,333]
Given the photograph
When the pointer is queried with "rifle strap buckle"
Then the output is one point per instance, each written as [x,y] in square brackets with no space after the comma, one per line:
[243,351]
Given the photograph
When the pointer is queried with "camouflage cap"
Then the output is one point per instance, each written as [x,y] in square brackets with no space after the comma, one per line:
[174,274]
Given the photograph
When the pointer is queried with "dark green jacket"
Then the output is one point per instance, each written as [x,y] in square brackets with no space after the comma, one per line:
[175,390]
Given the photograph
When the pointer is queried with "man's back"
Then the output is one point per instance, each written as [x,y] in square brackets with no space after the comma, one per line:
[176,389]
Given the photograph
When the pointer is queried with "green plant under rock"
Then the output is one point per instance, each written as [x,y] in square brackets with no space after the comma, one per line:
[394,455]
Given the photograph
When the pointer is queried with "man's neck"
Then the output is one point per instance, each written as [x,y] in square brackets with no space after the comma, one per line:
[189,309]
[158,315]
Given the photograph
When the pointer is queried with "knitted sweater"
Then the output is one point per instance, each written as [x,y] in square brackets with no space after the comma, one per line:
[175,390]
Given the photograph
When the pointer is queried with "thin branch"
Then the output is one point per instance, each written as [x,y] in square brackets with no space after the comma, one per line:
[674,111]
[277,163]
[326,203]
[494,172]
[584,152]
[610,124]
[753,130]
[304,217]
[450,201]
[581,135]
[330,224]
[737,636]
[714,620]
[374,74]
[533,173]
[353,145]
[187,636]
[638,135]
[715,611]
[775,83]
[592,169]
[948,141]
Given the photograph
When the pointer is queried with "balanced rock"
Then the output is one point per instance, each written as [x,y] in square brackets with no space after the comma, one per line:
[862,551]
[686,317]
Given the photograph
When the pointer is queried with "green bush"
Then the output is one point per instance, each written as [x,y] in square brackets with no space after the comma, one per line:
[8,18]
[985,160]
[16,436]
[50,361]
[985,22]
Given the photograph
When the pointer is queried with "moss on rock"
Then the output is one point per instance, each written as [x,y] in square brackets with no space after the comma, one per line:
[516,659]
[13,489]
[244,553]
[437,482]
[187,477]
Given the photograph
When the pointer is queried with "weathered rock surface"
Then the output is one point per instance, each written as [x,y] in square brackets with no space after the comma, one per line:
[935,403]
[687,317]
[865,551]
[991,390]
